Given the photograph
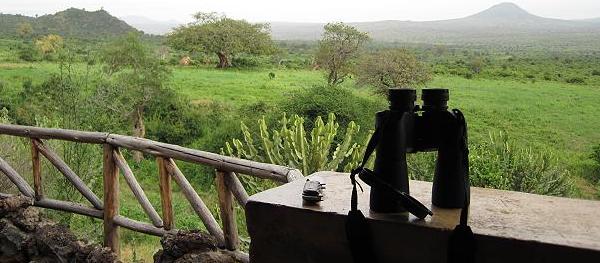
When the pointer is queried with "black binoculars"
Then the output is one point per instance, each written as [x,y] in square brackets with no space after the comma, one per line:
[409,128]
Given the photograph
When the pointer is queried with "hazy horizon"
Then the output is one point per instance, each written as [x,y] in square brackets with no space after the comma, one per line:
[307,10]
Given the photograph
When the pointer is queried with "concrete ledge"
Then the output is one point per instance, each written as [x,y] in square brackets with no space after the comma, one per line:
[509,226]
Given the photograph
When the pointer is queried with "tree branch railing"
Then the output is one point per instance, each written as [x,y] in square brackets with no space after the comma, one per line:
[228,185]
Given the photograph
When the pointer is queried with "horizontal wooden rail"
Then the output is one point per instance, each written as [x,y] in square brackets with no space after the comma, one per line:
[228,184]
[225,163]
[139,226]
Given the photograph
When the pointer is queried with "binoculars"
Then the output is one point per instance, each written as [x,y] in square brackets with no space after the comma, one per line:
[409,128]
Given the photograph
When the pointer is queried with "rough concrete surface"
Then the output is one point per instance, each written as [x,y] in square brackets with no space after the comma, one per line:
[508,226]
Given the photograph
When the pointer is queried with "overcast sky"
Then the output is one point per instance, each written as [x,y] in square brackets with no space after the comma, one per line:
[305,10]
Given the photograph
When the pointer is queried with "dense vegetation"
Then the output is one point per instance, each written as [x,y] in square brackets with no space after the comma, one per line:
[532,114]
[72,22]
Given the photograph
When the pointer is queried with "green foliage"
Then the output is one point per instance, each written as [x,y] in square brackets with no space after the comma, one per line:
[223,36]
[136,78]
[28,52]
[320,101]
[292,146]
[501,164]
[71,22]
[392,68]
[595,171]
[338,51]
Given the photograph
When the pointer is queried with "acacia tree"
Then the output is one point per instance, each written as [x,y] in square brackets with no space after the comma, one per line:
[223,36]
[136,78]
[391,68]
[338,50]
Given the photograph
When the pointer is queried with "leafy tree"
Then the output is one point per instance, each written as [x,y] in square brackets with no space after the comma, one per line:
[338,50]
[392,68]
[24,30]
[223,36]
[50,44]
[136,78]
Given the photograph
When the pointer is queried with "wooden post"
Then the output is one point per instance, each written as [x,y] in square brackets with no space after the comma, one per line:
[37,171]
[165,193]
[227,213]
[111,200]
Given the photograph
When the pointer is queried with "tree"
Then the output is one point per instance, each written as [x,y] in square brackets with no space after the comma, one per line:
[476,64]
[391,68]
[338,50]
[24,30]
[223,36]
[136,79]
[50,44]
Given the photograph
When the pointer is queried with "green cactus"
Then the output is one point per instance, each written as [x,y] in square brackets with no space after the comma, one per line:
[292,146]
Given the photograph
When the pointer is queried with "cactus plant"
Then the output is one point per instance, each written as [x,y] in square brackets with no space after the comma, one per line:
[291,145]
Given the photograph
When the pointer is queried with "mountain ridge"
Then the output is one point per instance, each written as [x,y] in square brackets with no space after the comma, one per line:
[504,20]
[71,22]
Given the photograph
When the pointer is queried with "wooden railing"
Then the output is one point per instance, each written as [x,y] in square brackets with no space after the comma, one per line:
[228,185]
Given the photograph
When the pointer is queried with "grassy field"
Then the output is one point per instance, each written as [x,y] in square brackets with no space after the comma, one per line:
[546,115]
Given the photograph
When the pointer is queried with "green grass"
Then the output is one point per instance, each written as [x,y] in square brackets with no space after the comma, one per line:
[549,116]
[239,87]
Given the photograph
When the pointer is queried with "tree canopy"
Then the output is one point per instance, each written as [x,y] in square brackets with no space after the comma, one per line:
[339,49]
[223,36]
[135,79]
[391,68]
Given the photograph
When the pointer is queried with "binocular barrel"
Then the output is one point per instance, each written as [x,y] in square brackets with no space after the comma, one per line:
[406,128]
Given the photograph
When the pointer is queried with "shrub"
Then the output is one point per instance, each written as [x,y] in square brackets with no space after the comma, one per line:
[320,101]
[595,170]
[249,61]
[501,164]
[28,52]
[575,80]
[596,72]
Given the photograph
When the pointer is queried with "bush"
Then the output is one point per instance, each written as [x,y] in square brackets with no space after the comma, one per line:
[320,101]
[501,164]
[596,72]
[575,80]
[28,52]
[595,157]
[247,61]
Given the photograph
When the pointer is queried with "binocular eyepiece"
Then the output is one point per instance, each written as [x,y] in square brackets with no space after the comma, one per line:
[404,99]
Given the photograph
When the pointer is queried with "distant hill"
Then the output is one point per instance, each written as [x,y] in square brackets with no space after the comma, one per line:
[502,23]
[151,26]
[72,22]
